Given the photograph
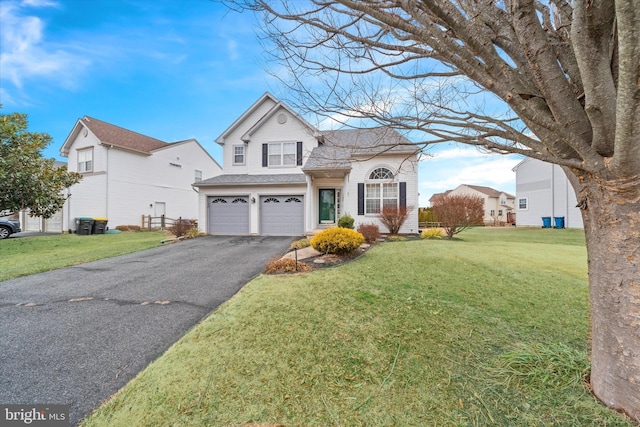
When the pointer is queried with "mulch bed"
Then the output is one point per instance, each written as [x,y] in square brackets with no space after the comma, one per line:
[327,260]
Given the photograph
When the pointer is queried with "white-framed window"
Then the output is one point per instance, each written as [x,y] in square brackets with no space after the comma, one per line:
[85,160]
[503,201]
[499,212]
[381,194]
[282,154]
[198,176]
[238,154]
[523,204]
[492,212]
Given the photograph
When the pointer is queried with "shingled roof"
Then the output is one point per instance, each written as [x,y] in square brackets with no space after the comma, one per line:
[339,146]
[120,137]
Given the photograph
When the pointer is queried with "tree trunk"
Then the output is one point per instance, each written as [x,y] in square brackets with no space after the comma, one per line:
[612,226]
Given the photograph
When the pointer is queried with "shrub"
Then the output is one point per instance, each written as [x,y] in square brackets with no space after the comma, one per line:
[393,217]
[192,233]
[181,227]
[431,233]
[346,221]
[299,244]
[371,232]
[128,227]
[337,241]
[285,265]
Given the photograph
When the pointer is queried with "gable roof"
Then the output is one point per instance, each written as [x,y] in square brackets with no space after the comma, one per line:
[120,137]
[113,135]
[491,192]
[370,141]
[339,146]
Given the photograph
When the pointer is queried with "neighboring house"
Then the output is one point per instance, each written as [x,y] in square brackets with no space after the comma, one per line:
[56,224]
[498,205]
[282,176]
[543,190]
[127,175]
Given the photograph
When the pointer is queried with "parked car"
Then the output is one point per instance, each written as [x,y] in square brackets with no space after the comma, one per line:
[8,226]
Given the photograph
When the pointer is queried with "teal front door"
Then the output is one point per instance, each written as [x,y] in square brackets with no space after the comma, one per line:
[327,206]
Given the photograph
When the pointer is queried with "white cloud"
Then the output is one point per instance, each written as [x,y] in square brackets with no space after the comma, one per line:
[27,55]
[452,167]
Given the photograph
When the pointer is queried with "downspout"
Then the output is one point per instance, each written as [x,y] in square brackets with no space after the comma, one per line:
[109,147]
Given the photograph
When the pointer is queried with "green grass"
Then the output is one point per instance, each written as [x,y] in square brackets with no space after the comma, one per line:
[488,329]
[29,255]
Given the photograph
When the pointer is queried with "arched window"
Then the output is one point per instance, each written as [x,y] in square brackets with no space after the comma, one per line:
[381,194]
[381,173]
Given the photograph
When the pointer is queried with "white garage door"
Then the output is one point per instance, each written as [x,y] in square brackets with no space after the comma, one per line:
[228,215]
[54,223]
[282,215]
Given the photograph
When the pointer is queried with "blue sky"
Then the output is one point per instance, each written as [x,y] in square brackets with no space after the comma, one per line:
[169,69]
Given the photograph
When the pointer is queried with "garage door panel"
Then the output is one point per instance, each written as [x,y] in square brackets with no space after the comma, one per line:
[282,215]
[229,215]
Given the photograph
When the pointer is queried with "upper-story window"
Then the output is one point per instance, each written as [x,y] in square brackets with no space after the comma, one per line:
[85,160]
[523,203]
[198,176]
[282,154]
[381,194]
[238,154]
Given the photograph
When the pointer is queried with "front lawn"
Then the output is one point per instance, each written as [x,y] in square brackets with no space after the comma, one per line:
[489,329]
[21,256]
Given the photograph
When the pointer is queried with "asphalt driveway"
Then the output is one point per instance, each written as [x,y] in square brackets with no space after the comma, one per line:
[76,335]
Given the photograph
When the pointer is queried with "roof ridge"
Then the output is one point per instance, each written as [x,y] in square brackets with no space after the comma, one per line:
[122,128]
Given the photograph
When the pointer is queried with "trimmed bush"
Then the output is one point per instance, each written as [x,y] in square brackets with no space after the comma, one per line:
[337,241]
[431,233]
[346,221]
[299,244]
[371,232]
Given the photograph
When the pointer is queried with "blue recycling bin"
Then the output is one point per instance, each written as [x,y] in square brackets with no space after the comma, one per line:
[558,222]
[546,222]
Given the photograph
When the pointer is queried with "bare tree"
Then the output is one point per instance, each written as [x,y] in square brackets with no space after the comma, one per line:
[566,72]
[456,213]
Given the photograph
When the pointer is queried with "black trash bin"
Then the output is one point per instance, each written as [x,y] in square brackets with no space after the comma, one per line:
[84,226]
[99,225]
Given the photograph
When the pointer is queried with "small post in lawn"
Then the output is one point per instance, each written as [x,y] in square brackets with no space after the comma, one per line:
[296,252]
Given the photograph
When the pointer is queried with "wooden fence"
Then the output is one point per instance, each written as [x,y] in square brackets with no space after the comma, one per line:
[162,222]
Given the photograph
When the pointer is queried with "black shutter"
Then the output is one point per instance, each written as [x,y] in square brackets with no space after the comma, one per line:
[299,153]
[265,155]
[403,195]
[361,198]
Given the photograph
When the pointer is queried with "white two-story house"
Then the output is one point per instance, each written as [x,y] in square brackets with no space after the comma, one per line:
[127,175]
[282,176]
[543,191]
